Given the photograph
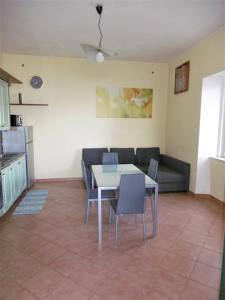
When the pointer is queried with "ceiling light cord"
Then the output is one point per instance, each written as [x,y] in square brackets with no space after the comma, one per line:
[100,31]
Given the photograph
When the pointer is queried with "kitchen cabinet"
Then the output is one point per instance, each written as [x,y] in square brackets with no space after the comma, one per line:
[13,179]
[4,105]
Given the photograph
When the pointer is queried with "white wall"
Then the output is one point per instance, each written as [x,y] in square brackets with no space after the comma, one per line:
[183,117]
[217,179]
[212,93]
[69,123]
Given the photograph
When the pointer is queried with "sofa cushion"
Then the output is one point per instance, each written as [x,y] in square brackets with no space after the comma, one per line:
[145,154]
[125,155]
[166,174]
[93,156]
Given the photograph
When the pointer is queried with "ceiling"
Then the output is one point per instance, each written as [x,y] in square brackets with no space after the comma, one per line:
[139,30]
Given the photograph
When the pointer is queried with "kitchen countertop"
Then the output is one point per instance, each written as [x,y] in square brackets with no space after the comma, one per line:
[7,159]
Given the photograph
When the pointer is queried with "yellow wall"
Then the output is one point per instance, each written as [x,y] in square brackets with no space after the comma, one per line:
[183,115]
[69,123]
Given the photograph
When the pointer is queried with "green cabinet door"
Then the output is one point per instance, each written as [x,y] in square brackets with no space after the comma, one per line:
[7,187]
[14,182]
[4,106]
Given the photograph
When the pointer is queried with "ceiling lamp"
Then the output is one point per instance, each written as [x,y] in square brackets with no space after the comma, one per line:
[97,54]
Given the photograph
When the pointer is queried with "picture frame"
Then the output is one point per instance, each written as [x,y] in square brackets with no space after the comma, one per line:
[182,78]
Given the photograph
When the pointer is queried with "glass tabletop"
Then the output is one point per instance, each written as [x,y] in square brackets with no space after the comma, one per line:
[108,176]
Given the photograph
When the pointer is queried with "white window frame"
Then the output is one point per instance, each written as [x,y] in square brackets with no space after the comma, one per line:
[221,133]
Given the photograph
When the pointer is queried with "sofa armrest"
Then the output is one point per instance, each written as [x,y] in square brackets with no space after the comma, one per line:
[178,165]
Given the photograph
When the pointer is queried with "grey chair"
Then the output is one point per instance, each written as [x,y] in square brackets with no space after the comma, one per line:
[92,194]
[131,199]
[152,173]
[110,158]
[153,168]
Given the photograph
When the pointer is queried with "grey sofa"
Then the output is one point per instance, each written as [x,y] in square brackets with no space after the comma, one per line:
[173,174]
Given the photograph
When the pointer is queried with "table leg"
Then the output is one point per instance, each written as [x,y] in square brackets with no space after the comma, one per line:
[155,211]
[92,180]
[99,215]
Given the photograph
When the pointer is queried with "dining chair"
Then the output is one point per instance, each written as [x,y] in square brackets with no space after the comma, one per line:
[110,158]
[131,199]
[152,173]
[92,194]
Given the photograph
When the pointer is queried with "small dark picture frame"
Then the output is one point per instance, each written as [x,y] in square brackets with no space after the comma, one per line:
[182,78]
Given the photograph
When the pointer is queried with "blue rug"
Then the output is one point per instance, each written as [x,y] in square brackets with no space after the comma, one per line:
[32,203]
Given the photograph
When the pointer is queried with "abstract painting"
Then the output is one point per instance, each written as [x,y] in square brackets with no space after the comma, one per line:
[117,102]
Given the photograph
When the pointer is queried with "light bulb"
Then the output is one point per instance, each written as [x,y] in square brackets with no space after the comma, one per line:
[99,57]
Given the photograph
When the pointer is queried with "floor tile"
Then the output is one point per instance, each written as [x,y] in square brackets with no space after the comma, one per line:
[48,253]
[206,275]
[215,244]
[44,282]
[23,269]
[185,249]
[211,258]
[169,284]
[9,255]
[70,291]
[196,291]
[11,291]
[192,237]
[53,255]
[178,264]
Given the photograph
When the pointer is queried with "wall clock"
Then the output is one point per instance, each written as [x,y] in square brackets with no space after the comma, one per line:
[36,82]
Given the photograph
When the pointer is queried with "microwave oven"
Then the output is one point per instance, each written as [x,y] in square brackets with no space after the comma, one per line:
[16,120]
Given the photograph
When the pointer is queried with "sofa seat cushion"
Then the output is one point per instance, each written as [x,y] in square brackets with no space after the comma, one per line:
[125,155]
[166,174]
[145,154]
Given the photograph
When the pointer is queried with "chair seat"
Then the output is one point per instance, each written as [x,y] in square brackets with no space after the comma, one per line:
[106,195]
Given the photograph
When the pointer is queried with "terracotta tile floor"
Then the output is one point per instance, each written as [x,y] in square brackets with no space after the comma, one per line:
[53,255]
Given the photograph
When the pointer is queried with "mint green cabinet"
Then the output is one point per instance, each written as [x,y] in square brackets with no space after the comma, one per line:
[13,182]
[4,106]
[7,187]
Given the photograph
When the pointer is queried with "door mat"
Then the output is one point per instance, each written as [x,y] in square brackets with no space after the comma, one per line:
[32,203]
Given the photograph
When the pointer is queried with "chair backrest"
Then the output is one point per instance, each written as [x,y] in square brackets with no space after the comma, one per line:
[110,158]
[85,177]
[153,169]
[131,194]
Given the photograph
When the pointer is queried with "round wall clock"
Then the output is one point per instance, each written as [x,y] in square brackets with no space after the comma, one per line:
[36,82]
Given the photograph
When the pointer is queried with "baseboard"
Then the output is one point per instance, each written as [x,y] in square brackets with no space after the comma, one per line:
[205,196]
[58,179]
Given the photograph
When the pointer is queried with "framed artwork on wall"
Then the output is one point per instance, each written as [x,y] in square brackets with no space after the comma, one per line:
[119,102]
[182,78]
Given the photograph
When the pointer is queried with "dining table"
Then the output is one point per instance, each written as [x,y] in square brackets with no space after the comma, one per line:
[107,177]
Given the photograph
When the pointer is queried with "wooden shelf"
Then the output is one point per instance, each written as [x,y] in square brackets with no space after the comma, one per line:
[29,104]
[8,77]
